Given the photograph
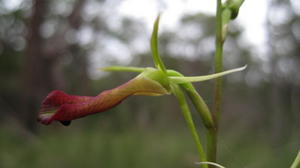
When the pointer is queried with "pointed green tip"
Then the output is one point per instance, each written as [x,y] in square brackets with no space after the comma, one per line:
[180,80]
[241,68]
[154,46]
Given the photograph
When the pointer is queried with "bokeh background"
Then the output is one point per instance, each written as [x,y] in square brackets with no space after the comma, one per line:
[59,44]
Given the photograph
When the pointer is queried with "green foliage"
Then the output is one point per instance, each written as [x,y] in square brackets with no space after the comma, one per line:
[132,148]
[93,149]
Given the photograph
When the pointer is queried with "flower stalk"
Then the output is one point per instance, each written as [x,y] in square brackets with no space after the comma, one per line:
[176,90]
[221,32]
[224,13]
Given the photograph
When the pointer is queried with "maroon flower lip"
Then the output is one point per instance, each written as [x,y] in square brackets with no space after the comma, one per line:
[62,107]
[55,103]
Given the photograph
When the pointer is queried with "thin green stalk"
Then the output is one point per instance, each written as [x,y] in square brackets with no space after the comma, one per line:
[212,138]
[189,120]
[203,110]
[296,163]
[211,144]
[200,105]
[218,63]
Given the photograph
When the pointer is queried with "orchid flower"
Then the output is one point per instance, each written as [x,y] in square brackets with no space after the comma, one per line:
[62,107]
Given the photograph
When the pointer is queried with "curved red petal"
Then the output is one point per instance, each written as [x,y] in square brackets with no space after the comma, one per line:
[63,107]
[53,101]
[57,98]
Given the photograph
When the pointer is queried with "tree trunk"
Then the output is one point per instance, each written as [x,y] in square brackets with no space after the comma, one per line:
[42,71]
[36,84]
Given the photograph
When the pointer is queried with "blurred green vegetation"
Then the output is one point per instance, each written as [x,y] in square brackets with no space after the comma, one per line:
[132,148]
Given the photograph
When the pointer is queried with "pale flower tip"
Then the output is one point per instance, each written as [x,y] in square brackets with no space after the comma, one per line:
[239,69]
[244,67]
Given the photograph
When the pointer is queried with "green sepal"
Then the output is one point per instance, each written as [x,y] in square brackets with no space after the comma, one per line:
[178,93]
[180,80]
[154,47]
[196,99]
[158,76]
[144,85]
[123,69]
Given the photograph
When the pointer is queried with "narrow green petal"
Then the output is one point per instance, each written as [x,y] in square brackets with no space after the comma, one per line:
[296,162]
[210,163]
[123,68]
[154,47]
[176,90]
[180,80]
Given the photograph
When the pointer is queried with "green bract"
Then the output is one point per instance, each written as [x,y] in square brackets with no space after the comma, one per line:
[234,6]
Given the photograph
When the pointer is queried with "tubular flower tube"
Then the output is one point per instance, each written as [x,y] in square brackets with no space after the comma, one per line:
[59,106]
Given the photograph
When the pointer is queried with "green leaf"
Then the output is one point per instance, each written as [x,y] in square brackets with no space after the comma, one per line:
[180,80]
[154,47]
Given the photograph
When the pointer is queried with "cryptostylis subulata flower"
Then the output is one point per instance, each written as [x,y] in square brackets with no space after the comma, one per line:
[62,107]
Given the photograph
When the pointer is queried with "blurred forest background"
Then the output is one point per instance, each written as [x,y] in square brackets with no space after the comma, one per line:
[59,44]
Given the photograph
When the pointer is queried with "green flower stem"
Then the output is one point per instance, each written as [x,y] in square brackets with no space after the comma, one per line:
[200,105]
[296,163]
[203,110]
[220,38]
[226,17]
[211,144]
[218,62]
[189,120]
